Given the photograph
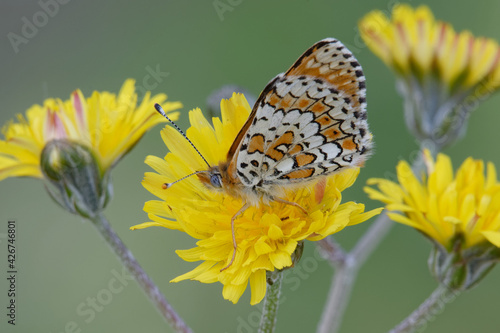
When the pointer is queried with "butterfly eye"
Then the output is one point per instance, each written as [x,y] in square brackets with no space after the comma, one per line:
[216,180]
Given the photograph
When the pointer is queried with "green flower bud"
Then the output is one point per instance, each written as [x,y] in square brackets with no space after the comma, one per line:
[461,269]
[74,178]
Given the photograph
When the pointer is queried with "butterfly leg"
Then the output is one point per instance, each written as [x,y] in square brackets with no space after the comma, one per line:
[238,213]
[291,203]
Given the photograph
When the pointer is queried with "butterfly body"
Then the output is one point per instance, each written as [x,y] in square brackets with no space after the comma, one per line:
[219,178]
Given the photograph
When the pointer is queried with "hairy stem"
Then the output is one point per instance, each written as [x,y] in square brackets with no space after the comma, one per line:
[144,281]
[340,289]
[431,307]
[332,251]
[346,273]
[271,302]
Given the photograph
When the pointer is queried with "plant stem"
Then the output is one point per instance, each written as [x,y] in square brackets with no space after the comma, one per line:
[340,289]
[347,264]
[371,239]
[332,251]
[431,307]
[346,273]
[144,281]
[271,302]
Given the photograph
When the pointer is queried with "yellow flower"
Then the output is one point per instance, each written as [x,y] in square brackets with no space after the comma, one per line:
[266,236]
[413,42]
[443,205]
[459,213]
[107,124]
[442,74]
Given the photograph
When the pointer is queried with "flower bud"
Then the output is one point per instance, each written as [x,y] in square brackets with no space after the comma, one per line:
[460,269]
[74,178]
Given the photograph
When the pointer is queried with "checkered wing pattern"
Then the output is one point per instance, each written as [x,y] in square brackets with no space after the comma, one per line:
[308,122]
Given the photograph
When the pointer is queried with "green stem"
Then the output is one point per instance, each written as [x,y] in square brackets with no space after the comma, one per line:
[271,302]
[431,307]
[152,291]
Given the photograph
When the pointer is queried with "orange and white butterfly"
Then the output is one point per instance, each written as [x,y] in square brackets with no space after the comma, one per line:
[307,123]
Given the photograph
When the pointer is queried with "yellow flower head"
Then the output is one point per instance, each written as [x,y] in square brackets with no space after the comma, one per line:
[442,75]
[107,124]
[266,235]
[444,206]
[413,42]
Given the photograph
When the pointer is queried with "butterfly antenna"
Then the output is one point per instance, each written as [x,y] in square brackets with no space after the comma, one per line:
[168,185]
[160,111]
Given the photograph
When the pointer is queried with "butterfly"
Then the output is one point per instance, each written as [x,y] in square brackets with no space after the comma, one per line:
[306,124]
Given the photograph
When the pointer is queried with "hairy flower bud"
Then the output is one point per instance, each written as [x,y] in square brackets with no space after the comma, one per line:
[74,178]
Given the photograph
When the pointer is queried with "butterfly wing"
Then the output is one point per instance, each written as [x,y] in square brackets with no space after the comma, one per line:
[307,122]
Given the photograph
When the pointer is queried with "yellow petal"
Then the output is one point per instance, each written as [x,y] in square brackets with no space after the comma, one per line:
[467,208]
[491,176]
[145,225]
[456,54]
[426,36]
[191,255]
[261,247]
[493,237]
[453,220]
[275,232]
[404,220]
[484,55]
[233,292]
[203,267]
[441,176]
[358,218]
[280,259]
[345,179]
[412,185]
[377,33]
[258,286]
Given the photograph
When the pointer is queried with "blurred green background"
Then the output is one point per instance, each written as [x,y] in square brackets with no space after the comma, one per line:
[96,45]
